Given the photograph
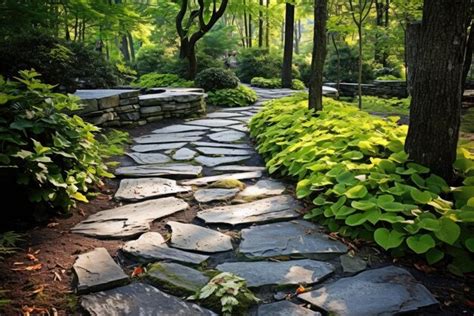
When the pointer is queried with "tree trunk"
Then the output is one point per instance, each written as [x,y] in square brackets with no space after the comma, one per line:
[246,26]
[267,26]
[192,62]
[286,75]
[319,55]
[338,66]
[468,58]
[359,80]
[297,36]
[260,23]
[130,43]
[250,30]
[124,48]
[436,102]
[412,37]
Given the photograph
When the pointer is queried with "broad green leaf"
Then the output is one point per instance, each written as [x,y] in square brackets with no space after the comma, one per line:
[392,206]
[448,231]
[434,255]
[430,224]
[391,218]
[356,219]
[80,197]
[420,243]
[420,197]
[388,239]
[356,192]
[469,243]
[399,157]
[362,205]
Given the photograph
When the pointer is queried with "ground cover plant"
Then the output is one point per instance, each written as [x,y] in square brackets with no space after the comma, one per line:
[362,184]
[275,83]
[155,80]
[240,96]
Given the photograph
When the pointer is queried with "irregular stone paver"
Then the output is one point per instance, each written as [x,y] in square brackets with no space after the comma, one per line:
[128,220]
[385,291]
[157,147]
[139,299]
[239,109]
[176,278]
[209,195]
[197,238]
[212,122]
[184,154]
[235,176]
[172,169]
[224,151]
[296,238]
[293,272]
[220,145]
[222,115]
[215,161]
[145,159]
[352,264]
[96,270]
[144,188]
[169,138]
[227,136]
[239,127]
[262,188]
[179,129]
[284,308]
[239,168]
[274,208]
[151,247]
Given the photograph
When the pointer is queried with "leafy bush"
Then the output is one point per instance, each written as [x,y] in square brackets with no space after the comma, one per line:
[387,71]
[275,83]
[151,58]
[380,105]
[257,62]
[228,291]
[353,167]
[213,79]
[48,156]
[66,64]
[240,96]
[349,69]
[387,77]
[154,80]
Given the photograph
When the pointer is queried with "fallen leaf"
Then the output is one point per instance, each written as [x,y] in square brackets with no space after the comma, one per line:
[38,290]
[81,212]
[301,289]
[31,257]
[137,271]
[37,251]
[35,267]
[52,225]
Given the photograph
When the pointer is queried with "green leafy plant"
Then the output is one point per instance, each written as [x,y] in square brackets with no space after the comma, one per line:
[47,155]
[8,242]
[374,104]
[213,79]
[155,80]
[240,96]
[363,185]
[227,291]
[275,83]
[387,77]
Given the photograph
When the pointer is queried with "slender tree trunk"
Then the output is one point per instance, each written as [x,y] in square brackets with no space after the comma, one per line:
[267,26]
[132,48]
[359,80]
[124,48]
[315,100]
[338,65]
[250,30]
[468,58]
[436,102]
[246,27]
[297,36]
[260,24]
[286,76]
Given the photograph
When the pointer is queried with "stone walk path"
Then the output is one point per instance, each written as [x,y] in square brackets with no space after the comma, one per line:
[245,223]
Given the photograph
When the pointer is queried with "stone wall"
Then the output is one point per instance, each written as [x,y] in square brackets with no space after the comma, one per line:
[379,88]
[123,107]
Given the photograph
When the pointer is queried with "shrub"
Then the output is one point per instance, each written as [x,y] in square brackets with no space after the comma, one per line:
[150,58]
[180,66]
[48,156]
[387,77]
[362,184]
[68,65]
[213,79]
[275,83]
[154,80]
[387,71]
[381,105]
[240,96]
[227,291]
[257,62]
[349,69]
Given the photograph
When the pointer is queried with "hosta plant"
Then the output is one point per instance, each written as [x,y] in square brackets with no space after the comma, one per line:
[353,168]
[240,96]
[156,80]
[227,291]
[48,156]
[275,83]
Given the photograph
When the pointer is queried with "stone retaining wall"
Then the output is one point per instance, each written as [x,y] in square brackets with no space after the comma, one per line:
[379,88]
[123,107]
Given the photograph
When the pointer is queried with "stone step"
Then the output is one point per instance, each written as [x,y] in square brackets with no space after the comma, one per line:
[172,170]
[179,128]
[212,122]
[261,189]
[224,151]
[145,188]
[145,159]
[227,136]
[235,176]
[157,147]
[216,161]
[220,145]
[210,195]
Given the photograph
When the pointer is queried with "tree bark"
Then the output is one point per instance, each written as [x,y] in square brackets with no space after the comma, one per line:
[124,48]
[250,31]
[286,76]
[468,58]
[267,26]
[412,37]
[260,23]
[246,26]
[132,48]
[315,100]
[436,102]
[297,36]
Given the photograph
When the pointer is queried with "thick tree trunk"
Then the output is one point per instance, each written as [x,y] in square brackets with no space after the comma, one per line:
[260,23]
[412,37]
[286,75]
[319,55]
[436,102]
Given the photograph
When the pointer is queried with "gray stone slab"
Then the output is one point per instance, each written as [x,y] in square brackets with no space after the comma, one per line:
[294,239]
[160,170]
[141,300]
[128,220]
[209,195]
[212,122]
[157,147]
[239,127]
[197,238]
[239,168]
[145,159]
[385,291]
[269,209]
[293,272]
[227,136]
[352,264]
[179,128]
[184,154]
[152,246]
[235,176]
[216,161]
[96,270]
[176,278]
[239,109]
[285,308]
[218,129]
[224,151]
[169,138]
[261,189]
[222,114]
[145,188]
[220,145]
